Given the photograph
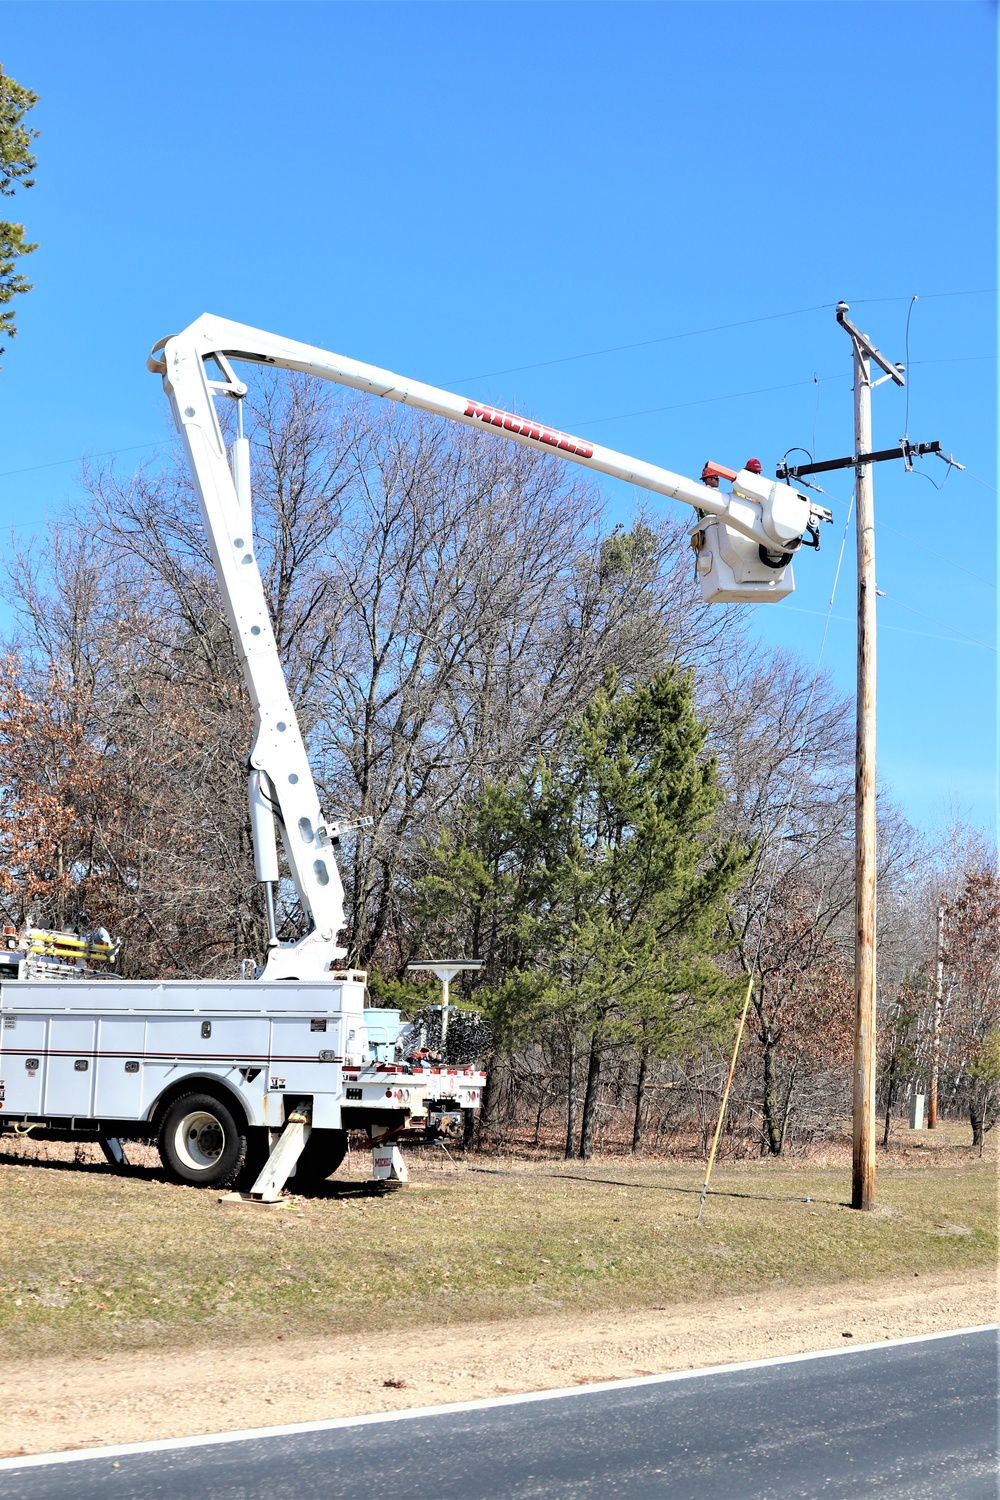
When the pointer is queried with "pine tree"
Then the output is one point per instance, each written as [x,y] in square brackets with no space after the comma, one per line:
[595,887]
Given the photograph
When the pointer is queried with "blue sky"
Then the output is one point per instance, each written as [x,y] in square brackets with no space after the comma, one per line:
[484,196]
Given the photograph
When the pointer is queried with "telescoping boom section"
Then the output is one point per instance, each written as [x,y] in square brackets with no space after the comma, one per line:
[744,540]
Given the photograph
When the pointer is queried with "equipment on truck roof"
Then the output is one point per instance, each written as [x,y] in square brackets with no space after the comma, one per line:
[48,953]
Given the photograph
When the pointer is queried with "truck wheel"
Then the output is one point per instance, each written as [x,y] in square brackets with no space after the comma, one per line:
[200,1142]
[323,1153]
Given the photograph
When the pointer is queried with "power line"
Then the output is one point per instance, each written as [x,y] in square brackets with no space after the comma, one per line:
[906,537]
[983,291]
[933,621]
[79,458]
[989,582]
[906,356]
[666,338]
[923,635]
[704,401]
[760,391]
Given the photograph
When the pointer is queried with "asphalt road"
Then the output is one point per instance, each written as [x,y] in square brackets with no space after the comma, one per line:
[906,1420]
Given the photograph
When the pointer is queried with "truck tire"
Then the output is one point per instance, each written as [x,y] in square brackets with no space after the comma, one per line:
[201,1143]
[323,1153]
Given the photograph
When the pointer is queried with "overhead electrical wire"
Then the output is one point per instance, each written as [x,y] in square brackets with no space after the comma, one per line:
[668,338]
[702,401]
[983,291]
[884,526]
[589,421]
[906,356]
[760,391]
[908,467]
[679,406]
[941,556]
[922,635]
[971,638]
[80,458]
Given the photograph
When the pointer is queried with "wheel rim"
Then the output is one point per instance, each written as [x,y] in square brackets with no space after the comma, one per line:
[199,1140]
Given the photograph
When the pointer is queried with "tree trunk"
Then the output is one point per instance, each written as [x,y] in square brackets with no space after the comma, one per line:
[772,1110]
[621,1081]
[787,1110]
[976,1119]
[538,1120]
[890,1096]
[590,1099]
[487,1109]
[640,1096]
[571,1104]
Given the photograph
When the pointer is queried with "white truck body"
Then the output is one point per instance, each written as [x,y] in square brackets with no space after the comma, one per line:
[99,1056]
[109,1049]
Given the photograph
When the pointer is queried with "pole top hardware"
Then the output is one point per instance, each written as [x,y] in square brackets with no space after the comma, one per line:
[904,449]
[866,348]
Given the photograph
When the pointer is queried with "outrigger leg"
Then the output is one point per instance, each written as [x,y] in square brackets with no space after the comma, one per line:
[281,1162]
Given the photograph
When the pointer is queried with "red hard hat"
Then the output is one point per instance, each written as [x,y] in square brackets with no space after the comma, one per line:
[754,465]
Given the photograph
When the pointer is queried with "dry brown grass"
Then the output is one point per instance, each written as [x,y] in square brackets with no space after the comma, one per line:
[96,1261]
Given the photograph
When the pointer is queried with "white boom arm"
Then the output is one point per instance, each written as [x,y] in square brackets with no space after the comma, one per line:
[772,518]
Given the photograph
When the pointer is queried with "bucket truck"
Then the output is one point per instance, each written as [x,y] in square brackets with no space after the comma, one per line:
[276,1071]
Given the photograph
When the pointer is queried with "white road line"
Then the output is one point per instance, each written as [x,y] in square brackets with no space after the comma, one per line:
[487,1403]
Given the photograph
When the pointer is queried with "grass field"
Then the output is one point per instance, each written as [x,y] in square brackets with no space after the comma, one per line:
[91,1261]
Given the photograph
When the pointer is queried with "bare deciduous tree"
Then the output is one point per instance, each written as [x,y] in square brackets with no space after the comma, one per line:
[443,600]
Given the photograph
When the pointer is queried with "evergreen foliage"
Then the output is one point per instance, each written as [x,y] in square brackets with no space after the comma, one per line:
[594,884]
[16,166]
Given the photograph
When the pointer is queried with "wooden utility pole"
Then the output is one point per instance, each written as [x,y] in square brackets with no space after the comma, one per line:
[932,1109]
[861,461]
[863,1179]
